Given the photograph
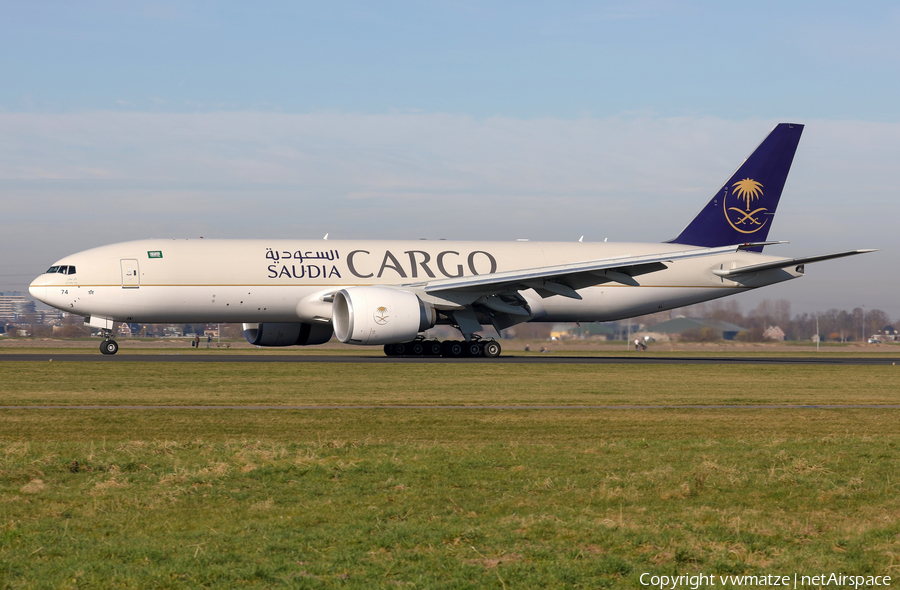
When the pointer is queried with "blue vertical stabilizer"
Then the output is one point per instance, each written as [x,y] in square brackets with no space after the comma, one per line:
[743,209]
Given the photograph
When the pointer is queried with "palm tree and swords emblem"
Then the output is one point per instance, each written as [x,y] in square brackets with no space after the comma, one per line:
[381,315]
[748,190]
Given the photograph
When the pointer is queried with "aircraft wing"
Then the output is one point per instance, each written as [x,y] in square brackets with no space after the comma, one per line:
[754,268]
[565,279]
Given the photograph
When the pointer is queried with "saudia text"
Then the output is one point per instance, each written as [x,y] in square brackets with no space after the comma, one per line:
[363,264]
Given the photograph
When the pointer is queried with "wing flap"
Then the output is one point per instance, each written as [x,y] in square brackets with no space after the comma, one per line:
[552,288]
[574,276]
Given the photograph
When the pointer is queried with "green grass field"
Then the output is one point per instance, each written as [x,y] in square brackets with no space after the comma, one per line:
[442,498]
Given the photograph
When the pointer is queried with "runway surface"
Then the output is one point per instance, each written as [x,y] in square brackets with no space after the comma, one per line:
[510,359]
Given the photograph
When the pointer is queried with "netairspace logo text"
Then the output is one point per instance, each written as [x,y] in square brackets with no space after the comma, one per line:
[695,581]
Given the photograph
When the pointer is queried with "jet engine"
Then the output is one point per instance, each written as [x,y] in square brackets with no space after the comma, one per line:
[295,333]
[378,315]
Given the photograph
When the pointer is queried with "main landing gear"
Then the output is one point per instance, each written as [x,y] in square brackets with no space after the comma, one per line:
[109,346]
[447,349]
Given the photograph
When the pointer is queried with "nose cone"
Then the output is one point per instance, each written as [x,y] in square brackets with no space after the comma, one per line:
[37,291]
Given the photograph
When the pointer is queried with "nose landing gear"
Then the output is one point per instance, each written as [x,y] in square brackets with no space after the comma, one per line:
[109,346]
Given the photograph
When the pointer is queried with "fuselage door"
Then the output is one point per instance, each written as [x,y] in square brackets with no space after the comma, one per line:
[130,277]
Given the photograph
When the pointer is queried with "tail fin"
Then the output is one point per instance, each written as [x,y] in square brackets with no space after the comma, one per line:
[743,209]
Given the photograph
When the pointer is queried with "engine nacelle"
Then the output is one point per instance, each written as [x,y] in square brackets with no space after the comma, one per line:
[292,334]
[378,315]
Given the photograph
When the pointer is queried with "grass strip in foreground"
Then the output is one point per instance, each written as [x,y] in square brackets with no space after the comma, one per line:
[377,498]
[34,383]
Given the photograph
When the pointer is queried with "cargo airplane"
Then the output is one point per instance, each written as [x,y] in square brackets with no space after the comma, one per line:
[373,292]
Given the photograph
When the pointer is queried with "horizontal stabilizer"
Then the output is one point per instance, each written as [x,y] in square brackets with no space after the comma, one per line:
[754,268]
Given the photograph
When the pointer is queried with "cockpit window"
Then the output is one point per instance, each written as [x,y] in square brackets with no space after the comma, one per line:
[63,270]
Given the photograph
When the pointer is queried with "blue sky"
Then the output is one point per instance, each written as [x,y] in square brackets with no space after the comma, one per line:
[446,119]
[517,59]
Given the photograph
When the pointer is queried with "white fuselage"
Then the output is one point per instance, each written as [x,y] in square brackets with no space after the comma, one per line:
[255,281]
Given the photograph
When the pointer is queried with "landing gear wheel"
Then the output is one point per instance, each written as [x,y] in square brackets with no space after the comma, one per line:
[401,349]
[433,348]
[417,348]
[109,347]
[389,350]
[491,349]
[452,349]
[472,349]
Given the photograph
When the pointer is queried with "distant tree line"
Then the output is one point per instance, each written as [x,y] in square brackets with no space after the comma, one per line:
[73,327]
[834,324]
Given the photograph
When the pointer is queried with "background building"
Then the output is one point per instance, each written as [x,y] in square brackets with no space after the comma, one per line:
[13,306]
[678,326]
